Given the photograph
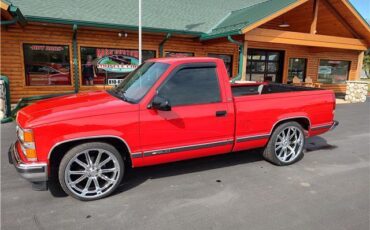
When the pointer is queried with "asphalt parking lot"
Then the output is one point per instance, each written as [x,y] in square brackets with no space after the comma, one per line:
[328,189]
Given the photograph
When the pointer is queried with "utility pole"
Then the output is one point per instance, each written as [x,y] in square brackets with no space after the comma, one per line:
[140,35]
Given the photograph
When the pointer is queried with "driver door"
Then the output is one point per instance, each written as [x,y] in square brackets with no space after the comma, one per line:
[200,121]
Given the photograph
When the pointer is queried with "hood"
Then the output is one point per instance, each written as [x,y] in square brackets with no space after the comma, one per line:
[71,107]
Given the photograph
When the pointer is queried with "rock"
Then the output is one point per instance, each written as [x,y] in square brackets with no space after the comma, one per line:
[356,91]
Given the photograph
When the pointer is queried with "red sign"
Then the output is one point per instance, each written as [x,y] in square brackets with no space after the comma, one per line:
[47,48]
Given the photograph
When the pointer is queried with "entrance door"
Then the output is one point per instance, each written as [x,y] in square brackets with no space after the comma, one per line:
[265,65]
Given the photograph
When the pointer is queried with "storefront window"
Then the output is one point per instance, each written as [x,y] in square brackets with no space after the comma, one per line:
[105,66]
[333,72]
[228,60]
[264,65]
[178,54]
[297,68]
[47,65]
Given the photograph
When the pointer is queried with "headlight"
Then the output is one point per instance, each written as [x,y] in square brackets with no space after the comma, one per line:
[26,139]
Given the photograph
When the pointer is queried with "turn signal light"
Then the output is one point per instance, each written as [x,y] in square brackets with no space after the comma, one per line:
[27,136]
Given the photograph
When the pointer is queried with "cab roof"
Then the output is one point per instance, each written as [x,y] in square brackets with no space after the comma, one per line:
[173,60]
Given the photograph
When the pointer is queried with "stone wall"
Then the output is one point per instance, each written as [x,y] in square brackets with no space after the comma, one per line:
[2,99]
[356,91]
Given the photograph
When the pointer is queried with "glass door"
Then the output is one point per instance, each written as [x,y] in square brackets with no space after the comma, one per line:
[297,69]
[265,65]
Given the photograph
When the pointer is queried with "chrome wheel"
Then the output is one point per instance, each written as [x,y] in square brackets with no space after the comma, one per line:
[289,144]
[92,173]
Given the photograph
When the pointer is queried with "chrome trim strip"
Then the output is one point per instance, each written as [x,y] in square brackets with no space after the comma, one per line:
[136,155]
[186,148]
[89,137]
[322,126]
[252,138]
[267,135]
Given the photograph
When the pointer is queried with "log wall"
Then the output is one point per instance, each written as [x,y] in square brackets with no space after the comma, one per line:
[13,37]
[313,56]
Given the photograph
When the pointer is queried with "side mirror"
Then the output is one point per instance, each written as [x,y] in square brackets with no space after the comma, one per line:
[160,103]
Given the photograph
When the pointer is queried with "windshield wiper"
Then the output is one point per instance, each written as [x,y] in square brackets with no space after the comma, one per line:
[121,94]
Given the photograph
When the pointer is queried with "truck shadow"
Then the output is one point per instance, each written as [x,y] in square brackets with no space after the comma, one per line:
[135,177]
[318,143]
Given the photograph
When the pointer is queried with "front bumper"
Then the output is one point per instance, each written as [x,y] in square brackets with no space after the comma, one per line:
[33,172]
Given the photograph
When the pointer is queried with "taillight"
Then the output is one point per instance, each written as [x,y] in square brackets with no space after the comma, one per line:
[334,102]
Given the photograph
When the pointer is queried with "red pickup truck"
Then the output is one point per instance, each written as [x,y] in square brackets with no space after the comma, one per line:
[166,110]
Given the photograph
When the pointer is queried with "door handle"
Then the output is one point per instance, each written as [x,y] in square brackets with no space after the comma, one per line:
[221,113]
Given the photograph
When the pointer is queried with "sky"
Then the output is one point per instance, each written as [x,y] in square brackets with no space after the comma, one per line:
[362,6]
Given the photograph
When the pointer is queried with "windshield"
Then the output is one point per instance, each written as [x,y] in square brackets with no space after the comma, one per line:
[135,86]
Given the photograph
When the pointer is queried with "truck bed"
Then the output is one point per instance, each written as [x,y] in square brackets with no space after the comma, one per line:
[266,88]
[260,106]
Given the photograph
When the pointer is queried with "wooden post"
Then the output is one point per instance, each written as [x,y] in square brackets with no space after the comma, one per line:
[314,17]
[359,65]
[245,59]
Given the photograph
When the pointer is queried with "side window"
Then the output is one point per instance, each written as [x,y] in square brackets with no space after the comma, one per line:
[192,86]
[47,65]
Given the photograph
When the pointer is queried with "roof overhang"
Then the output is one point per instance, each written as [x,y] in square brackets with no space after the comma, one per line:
[4,5]
[355,20]
[272,16]
[242,28]
[107,25]
[14,14]
[304,39]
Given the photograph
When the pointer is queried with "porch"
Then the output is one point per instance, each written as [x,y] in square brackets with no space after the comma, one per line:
[311,42]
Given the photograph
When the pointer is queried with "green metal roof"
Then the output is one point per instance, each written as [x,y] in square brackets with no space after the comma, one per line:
[239,19]
[206,18]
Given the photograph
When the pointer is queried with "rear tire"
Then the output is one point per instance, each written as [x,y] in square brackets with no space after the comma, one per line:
[286,143]
[91,171]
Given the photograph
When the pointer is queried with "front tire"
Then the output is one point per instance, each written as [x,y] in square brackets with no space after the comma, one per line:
[286,144]
[91,171]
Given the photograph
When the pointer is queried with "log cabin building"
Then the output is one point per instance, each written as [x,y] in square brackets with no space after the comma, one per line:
[47,46]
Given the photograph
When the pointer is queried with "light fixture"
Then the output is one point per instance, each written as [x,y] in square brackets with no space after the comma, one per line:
[122,34]
[284,24]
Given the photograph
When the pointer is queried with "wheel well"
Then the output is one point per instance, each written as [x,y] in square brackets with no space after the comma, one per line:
[304,122]
[59,151]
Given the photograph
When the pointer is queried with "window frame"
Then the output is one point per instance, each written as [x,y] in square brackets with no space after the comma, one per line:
[279,74]
[324,59]
[71,66]
[305,69]
[105,86]
[191,66]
